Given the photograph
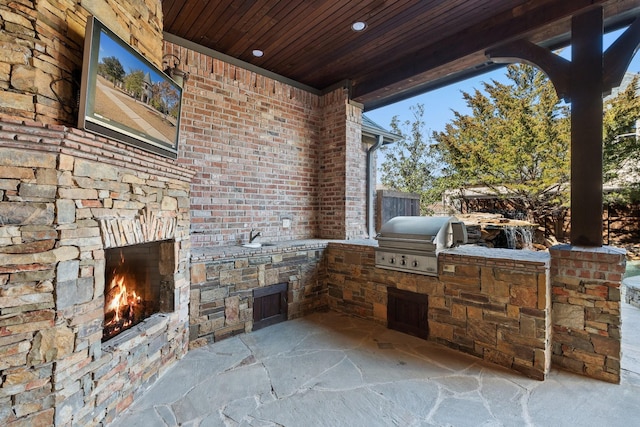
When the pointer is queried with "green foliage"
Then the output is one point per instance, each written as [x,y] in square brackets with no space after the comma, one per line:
[111,67]
[408,164]
[134,83]
[515,144]
[622,145]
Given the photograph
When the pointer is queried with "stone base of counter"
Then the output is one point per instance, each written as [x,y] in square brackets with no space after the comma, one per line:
[632,290]
[496,308]
[586,310]
[519,309]
[221,303]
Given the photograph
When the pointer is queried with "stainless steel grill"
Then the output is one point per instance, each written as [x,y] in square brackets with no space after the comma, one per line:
[412,243]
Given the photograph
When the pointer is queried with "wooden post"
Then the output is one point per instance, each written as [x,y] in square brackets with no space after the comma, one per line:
[586,128]
[582,81]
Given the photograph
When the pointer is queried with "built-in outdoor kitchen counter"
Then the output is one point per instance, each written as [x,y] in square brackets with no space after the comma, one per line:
[492,303]
[235,289]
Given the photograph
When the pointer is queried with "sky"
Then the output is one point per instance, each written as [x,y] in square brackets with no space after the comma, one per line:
[440,103]
[130,62]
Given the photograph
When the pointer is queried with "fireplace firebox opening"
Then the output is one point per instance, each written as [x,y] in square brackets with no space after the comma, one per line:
[134,289]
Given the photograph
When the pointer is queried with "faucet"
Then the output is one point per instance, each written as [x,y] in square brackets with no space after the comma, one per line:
[252,236]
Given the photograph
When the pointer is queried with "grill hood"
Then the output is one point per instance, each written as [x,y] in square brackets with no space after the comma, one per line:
[411,243]
[429,233]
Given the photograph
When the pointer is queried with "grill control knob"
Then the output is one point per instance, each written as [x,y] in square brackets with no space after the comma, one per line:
[403,262]
[392,261]
[415,263]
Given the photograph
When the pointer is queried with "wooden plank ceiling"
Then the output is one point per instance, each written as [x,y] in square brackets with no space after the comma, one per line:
[407,47]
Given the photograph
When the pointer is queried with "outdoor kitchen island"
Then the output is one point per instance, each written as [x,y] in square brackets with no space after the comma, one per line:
[490,303]
[495,304]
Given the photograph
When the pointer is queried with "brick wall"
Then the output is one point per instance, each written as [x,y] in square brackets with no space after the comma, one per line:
[356,175]
[333,162]
[586,310]
[264,152]
[493,305]
[222,285]
[343,160]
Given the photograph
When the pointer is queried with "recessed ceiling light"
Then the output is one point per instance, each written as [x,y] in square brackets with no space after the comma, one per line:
[257,53]
[358,26]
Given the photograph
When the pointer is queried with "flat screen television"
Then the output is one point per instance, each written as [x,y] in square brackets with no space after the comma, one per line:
[125,97]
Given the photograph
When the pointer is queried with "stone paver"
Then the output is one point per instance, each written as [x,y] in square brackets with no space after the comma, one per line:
[334,370]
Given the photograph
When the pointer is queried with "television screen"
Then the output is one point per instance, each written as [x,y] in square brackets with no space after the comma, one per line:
[125,97]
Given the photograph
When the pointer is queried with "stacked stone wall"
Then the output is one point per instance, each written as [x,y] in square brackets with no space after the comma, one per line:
[492,305]
[222,285]
[41,50]
[63,195]
[586,310]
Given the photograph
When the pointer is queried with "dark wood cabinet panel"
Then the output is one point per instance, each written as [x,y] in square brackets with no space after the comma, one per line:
[407,312]
[269,305]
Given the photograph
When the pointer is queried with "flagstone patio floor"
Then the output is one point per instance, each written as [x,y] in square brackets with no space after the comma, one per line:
[330,369]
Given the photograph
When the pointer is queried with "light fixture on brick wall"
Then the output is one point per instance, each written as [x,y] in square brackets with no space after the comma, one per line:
[170,62]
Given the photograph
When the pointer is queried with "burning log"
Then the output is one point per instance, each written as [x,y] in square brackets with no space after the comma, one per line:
[123,308]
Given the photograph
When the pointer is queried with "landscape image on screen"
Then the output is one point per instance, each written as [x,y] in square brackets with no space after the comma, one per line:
[128,98]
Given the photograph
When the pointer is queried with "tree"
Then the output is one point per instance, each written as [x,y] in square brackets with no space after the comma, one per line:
[111,67]
[134,83]
[622,144]
[515,143]
[409,164]
[170,98]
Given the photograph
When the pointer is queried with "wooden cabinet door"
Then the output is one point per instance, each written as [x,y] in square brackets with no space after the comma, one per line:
[269,305]
[407,312]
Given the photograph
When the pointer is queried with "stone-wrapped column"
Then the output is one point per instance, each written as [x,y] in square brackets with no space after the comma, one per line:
[585,288]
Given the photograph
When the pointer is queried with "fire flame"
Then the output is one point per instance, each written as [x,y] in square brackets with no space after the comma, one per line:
[120,305]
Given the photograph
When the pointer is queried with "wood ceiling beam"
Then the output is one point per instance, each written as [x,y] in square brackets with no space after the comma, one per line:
[555,67]
[505,26]
[619,55]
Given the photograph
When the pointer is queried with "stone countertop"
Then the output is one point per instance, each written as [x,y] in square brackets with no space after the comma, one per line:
[498,253]
[232,251]
[632,282]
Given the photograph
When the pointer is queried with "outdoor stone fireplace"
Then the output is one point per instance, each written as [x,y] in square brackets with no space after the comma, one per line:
[71,204]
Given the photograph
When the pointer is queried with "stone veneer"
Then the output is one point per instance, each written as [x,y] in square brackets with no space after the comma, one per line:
[493,304]
[223,280]
[41,50]
[586,310]
[65,196]
[514,308]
